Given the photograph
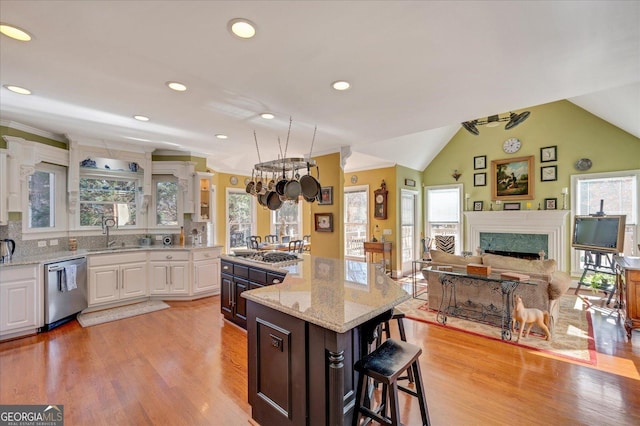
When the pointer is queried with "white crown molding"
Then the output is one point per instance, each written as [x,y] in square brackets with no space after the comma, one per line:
[32,130]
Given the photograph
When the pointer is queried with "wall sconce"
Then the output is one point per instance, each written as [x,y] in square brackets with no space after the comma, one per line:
[456,175]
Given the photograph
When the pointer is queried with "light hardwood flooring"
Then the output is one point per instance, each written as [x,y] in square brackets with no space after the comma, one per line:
[187,366]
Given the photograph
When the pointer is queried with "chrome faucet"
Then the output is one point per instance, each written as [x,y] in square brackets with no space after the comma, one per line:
[107,223]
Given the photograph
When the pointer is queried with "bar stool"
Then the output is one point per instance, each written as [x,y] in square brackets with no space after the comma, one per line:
[385,364]
[384,327]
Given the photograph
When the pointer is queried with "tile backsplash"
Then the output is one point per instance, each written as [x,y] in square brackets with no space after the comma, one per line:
[30,247]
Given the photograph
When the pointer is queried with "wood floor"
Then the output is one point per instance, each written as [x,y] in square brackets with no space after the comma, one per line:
[187,366]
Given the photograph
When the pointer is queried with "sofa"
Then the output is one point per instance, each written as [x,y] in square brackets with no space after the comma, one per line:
[549,284]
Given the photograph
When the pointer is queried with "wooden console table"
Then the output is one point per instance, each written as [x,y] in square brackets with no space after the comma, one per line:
[370,248]
[628,281]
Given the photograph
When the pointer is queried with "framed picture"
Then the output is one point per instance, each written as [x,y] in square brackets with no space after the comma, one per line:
[512,179]
[511,206]
[326,195]
[480,162]
[548,173]
[409,182]
[550,203]
[479,179]
[477,206]
[323,222]
[548,153]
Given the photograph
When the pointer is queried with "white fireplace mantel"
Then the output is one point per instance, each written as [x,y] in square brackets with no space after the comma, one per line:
[548,222]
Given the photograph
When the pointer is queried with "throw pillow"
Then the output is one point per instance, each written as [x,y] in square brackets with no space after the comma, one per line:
[438,256]
[547,267]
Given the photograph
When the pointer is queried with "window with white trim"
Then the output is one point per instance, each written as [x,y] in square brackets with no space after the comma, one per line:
[287,221]
[46,199]
[619,193]
[240,218]
[114,193]
[444,212]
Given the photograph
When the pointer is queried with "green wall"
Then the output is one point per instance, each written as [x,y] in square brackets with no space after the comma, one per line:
[576,133]
[8,131]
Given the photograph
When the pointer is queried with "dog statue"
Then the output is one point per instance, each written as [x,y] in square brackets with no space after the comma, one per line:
[528,317]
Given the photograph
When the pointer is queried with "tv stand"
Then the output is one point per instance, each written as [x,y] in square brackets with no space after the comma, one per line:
[599,262]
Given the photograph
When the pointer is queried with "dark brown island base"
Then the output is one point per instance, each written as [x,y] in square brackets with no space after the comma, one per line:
[304,338]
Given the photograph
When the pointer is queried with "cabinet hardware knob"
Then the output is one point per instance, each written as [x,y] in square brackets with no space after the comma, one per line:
[169,257]
[276,281]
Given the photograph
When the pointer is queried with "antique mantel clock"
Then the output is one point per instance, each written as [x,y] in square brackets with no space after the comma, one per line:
[380,202]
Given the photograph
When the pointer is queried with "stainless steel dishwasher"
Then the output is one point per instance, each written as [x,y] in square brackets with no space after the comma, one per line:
[65,291]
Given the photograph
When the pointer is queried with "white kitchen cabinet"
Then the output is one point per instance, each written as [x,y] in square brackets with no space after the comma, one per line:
[169,272]
[206,271]
[203,197]
[117,277]
[21,303]
[4,196]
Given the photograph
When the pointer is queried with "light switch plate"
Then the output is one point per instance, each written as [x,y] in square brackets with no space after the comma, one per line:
[42,243]
[386,232]
[53,242]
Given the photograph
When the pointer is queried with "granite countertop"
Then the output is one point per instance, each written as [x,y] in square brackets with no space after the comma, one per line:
[628,262]
[65,255]
[336,294]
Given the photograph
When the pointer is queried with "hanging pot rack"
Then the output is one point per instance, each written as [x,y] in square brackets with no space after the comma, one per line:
[287,164]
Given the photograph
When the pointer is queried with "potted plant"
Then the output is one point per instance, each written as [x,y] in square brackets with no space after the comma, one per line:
[145,240]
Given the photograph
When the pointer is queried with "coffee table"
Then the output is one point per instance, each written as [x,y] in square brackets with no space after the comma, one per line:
[495,307]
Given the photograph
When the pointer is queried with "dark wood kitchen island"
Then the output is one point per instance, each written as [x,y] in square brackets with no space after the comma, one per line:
[303,339]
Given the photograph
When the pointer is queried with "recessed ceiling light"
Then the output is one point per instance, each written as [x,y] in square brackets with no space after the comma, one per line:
[242,28]
[340,85]
[14,32]
[178,87]
[267,115]
[221,136]
[141,118]
[18,89]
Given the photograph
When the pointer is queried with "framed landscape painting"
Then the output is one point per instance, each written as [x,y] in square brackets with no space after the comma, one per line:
[512,179]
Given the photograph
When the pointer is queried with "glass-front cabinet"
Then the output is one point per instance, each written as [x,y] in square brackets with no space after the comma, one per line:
[203,197]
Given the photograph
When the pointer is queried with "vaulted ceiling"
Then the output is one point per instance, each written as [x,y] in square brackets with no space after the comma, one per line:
[417,70]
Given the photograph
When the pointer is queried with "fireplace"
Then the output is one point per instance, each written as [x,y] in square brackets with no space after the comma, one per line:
[529,228]
[517,254]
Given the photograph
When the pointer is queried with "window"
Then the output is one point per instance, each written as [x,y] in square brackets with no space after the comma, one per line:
[408,214]
[167,210]
[287,221]
[109,194]
[618,192]
[356,214]
[240,218]
[444,213]
[46,199]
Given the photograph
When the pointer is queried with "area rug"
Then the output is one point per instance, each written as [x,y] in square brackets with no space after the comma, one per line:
[121,312]
[573,337]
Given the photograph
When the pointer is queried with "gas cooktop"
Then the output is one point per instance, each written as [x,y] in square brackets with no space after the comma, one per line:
[274,258]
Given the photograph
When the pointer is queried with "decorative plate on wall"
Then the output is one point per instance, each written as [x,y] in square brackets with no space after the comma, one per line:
[583,164]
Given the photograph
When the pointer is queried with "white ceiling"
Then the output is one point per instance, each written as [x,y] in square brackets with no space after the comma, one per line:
[417,70]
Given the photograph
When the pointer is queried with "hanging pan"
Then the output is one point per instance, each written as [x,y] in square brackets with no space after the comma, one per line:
[292,189]
[250,185]
[310,186]
[273,201]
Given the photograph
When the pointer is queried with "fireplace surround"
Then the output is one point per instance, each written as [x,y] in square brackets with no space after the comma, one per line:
[551,223]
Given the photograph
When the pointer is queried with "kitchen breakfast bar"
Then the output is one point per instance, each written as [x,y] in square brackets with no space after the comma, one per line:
[304,338]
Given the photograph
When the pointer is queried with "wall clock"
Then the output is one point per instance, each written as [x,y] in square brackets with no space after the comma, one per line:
[380,202]
[511,145]
[354,179]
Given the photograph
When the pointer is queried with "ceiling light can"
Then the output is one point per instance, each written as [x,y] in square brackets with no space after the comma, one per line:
[141,117]
[267,115]
[14,32]
[177,86]
[221,136]
[341,85]
[17,89]
[242,28]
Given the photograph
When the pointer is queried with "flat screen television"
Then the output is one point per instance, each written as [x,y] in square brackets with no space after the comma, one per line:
[599,233]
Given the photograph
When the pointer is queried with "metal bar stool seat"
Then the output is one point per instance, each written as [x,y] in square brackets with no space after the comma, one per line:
[385,365]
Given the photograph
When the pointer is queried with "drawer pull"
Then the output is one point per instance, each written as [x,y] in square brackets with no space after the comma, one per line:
[226,268]
[169,256]
[207,255]
[276,342]
[275,281]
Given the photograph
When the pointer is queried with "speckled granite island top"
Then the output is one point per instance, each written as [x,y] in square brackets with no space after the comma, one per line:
[336,294]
